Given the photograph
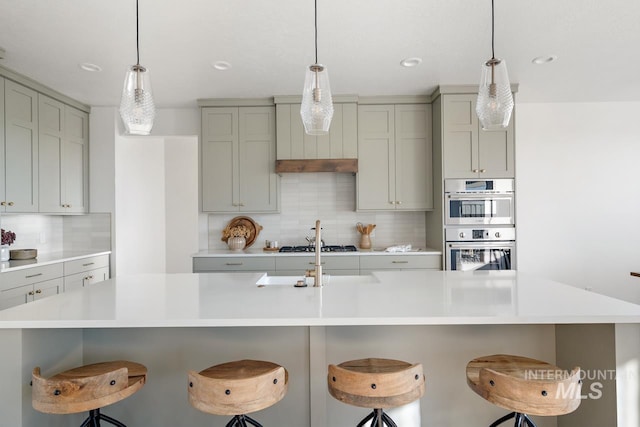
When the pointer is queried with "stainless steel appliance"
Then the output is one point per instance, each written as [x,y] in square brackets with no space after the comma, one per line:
[472,202]
[480,248]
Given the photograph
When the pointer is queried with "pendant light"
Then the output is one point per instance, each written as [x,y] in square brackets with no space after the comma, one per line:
[136,106]
[317,107]
[495,101]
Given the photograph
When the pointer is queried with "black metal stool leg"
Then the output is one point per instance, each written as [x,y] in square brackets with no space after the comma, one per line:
[366,419]
[528,421]
[503,419]
[251,421]
[387,419]
[110,420]
[232,422]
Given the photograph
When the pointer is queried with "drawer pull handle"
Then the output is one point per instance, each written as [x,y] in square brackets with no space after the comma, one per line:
[233,263]
[313,263]
[400,262]
[88,264]
[30,293]
[33,275]
[39,291]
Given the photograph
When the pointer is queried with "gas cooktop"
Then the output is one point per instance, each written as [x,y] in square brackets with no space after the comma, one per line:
[325,248]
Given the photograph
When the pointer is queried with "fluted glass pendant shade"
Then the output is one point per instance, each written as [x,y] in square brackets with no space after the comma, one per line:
[136,106]
[317,106]
[495,101]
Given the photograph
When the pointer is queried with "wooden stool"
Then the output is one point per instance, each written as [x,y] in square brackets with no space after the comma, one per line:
[377,384]
[87,388]
[524,386]
[238,388]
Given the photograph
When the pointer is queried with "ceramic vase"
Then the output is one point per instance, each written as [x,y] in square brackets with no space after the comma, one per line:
[236,243]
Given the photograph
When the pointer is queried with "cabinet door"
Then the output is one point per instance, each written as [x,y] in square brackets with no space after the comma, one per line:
[50,133]
[414,178]
[376,158]
[219,157]
[74,161]
[85,278]
[496,157]
[460,136]
[21,148]
[257,180]
[47,288]
[15,296]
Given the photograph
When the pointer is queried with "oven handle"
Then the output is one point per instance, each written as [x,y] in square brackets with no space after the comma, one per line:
[458,196]
[484,245]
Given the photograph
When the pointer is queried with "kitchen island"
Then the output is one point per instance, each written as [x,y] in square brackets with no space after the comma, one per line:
[442,319]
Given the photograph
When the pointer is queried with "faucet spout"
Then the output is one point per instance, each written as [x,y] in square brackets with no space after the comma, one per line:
[318,273]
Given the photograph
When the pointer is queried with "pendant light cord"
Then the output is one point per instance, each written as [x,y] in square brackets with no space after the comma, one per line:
[315,25]
[493,55]
[137,37]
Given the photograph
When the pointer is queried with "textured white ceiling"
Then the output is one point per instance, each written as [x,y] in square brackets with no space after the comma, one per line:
[270,42]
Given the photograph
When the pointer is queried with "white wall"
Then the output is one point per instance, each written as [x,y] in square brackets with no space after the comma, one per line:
[156,204]
[578,194]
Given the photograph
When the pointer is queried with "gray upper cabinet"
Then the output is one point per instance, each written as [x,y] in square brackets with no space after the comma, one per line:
[20,152]
[394,158]
[469,151]
[63,142]
[295,144]
[238,153]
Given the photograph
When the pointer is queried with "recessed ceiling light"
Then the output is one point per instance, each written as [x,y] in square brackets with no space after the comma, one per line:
[544,59]
[221,65]
[93,68]
[411,62]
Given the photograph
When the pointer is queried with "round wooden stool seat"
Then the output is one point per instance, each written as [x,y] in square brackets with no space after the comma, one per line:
[376,383]
[239,387]
[87,387]
[524,385]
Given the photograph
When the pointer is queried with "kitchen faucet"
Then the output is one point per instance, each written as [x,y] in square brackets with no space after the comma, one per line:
[317,273]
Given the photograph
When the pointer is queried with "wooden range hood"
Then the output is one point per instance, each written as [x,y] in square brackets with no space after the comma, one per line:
[317,165]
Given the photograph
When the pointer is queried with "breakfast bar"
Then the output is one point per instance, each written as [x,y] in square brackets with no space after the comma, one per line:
[442,319]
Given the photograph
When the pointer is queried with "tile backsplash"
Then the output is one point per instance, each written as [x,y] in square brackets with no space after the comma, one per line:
[56,233]
[331,198]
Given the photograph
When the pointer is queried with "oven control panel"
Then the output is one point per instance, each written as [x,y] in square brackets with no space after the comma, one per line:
[472,234]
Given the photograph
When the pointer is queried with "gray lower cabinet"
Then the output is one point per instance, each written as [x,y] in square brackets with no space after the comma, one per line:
[240,263]
[400,262]
[86,271]
[23,286]
[342,265]
[33,283]
[337,265]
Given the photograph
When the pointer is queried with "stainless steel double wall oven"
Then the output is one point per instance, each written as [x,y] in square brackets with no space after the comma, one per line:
[480,229]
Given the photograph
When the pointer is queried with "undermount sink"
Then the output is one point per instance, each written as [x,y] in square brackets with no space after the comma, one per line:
[267,280]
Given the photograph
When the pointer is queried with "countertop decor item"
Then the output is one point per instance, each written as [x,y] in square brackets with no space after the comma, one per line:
[365,234]
[7,238]
[23,253]
[249,232]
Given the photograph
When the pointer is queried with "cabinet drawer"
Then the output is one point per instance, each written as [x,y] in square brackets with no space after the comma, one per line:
[400,262]
[303,263]
[85,278]
[29,276]
[203,265]
[85,264]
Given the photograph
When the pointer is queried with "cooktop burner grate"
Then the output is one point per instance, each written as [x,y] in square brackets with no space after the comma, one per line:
[325,248]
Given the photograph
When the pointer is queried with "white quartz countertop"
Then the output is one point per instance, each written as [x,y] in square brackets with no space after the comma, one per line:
[384,298]
[261,252]
[46,259]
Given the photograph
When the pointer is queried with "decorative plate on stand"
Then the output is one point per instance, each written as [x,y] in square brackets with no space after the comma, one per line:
[254,228]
